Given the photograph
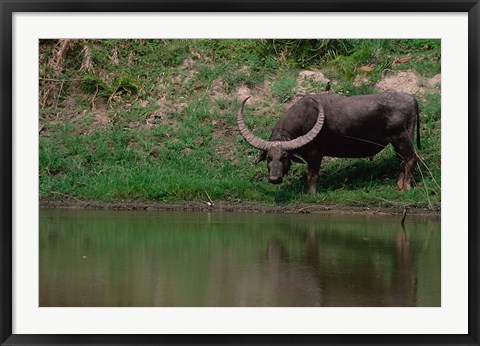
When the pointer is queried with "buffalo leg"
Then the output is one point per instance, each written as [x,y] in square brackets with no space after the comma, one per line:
[312,177]
[400,181]
[408,172]
[403,146]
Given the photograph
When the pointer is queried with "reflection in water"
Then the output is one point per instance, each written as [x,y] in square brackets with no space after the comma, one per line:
[99,258]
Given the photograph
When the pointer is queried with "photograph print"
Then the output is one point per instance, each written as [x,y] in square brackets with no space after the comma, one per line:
[239,172]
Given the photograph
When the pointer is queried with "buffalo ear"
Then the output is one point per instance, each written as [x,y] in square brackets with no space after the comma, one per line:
[297,159]
[262,157]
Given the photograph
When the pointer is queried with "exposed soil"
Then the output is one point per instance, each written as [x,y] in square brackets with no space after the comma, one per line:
[257,95]
[227,206]
[306,78]
[409,82]
[405,81]
[216,90]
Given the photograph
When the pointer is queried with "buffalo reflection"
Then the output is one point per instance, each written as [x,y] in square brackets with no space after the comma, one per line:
[383,274]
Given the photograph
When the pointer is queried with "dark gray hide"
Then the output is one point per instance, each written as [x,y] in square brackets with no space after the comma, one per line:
[356,126]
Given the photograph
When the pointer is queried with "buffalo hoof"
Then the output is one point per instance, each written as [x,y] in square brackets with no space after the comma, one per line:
[404,185]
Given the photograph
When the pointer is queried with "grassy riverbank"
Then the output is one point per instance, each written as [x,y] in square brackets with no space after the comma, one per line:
[154,120]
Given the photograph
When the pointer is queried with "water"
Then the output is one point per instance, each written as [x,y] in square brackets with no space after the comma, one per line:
[115,258]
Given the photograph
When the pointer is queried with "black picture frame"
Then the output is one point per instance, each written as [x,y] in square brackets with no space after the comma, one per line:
[9,7]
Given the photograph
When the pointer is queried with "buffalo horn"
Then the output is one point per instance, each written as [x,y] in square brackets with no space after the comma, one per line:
[306,138]
[253,140]
[293,144]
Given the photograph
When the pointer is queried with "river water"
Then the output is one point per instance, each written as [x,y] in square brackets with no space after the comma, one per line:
[138,259]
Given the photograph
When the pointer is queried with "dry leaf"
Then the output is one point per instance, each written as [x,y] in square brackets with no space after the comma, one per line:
[403,60]
[366,68]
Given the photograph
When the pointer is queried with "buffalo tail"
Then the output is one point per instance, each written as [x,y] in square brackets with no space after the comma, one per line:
[418,124]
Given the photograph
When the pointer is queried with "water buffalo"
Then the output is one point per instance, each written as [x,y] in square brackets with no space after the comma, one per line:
[321,125]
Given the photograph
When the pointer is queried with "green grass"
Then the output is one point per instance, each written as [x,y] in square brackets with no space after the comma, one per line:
[284,89]
[169,138]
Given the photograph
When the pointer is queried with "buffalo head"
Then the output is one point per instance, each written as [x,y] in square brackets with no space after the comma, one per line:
[279,154]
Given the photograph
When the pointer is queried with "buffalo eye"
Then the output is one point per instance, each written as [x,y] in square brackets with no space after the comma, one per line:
[269,158]
[284,156]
